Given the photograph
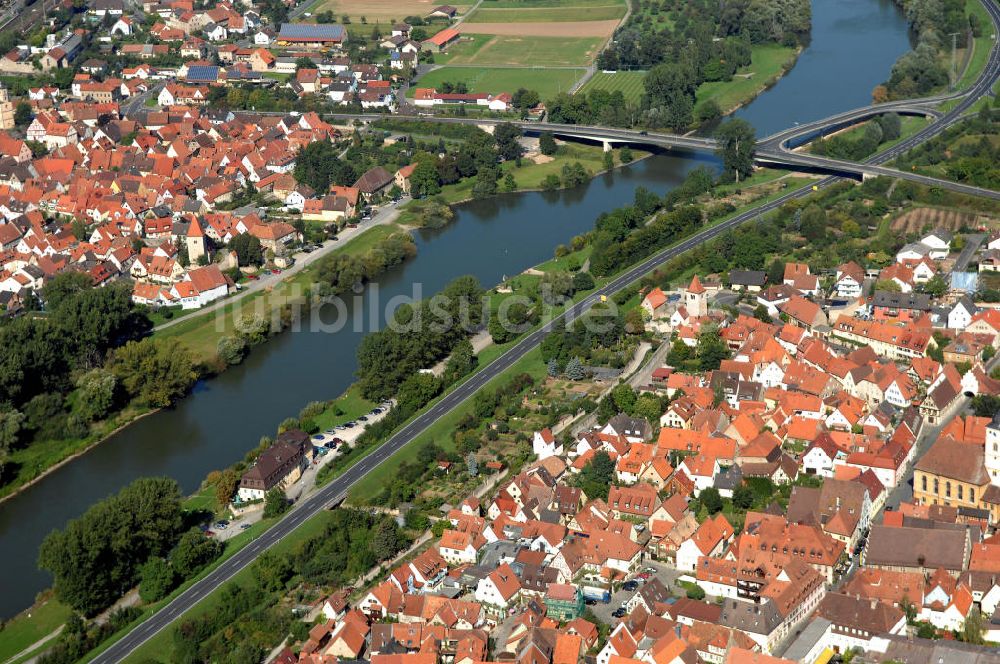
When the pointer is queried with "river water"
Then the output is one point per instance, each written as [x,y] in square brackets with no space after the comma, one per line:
[854,43]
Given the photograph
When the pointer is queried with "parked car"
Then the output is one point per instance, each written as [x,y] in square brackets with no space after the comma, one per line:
[363,418]
[244,526]
[630,585]
[619,612]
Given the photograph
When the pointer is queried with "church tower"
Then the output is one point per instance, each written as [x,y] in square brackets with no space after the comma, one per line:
[195,242]
[696,299]
[6,109]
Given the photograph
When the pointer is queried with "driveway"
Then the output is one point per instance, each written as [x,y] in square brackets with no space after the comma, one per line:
[972,242]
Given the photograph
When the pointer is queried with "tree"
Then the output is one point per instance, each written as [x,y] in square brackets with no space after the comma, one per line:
[154,371]
[711,499]
[737,144]
[547,144]
[386,540]
[762,314]
[461,361]
[275,503]
[96,394]
[425,180]
[552,368]
[193,553]
[225,486]
[624,397]
[472,465]
[272,570]
[319,166]
[743,497]
[22,114]
[596,476]
[936,286]
[156,580]
[97,556]
[574,369]
[711,348]
[813,223]
[625,154]
[973,627]
[232,349]
[507,137]
[248,249]
[708,111]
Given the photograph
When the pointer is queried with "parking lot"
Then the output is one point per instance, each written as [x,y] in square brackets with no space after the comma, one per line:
[665,572]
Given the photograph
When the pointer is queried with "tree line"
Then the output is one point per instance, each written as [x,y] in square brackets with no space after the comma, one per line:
[121,540]
[78,360]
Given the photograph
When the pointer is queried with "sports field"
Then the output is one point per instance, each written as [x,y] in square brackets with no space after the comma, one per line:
[494,80]
[506,50]
[384,11]
[628,82]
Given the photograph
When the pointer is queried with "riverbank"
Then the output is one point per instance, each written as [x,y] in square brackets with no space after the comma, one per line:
[768,64]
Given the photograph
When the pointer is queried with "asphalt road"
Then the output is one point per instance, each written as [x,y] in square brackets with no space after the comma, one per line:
[337,489]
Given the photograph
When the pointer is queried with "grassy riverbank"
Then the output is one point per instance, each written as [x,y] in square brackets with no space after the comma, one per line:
[768,63]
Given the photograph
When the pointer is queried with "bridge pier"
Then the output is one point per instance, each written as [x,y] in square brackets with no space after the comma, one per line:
[607,146]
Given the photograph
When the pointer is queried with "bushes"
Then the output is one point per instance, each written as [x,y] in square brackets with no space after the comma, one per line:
[339,273]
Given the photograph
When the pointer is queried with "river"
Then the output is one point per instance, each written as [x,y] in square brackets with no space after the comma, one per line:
[854,44]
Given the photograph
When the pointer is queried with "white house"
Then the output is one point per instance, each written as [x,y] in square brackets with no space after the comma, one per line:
[545,445]
[819,459]
[961,314]
[500,589]
[939,242]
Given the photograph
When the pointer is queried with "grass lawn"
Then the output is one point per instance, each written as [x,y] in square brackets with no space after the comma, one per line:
[344,409]
[571,261]
[604,12]
[547,82]
[628,82]
[767,64]
[521,51]
[530,175]
[201,333]
[26,628]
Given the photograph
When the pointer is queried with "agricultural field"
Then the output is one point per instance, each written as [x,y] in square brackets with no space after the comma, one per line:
[628,82]
[768,61]
[602,29]
[542,11]
[918,219]
[489,50]
[494,80]
[382,11]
